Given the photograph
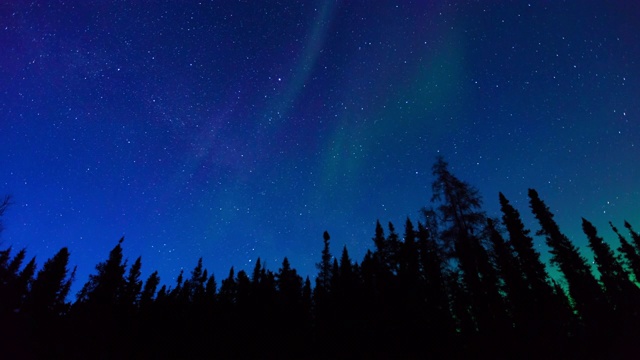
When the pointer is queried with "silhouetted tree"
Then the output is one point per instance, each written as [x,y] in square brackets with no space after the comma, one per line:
[51,286]
[228,289]
[14,283]
[583,286]
[527,257]
[132,285]
[149,290]
[545,313]
[243,291]
[439,324]
[409,262]
[629,252]
[463,221]
[289,285]
[14,265]
[47,302]
[634,235]
[620,291]
[307,294]
[323,280]
[15,332]
[210,290]
[514,284]
[195,285]
[104,287]
[383,252]
[24,283]
[100,302]
[393,246]
[291,317]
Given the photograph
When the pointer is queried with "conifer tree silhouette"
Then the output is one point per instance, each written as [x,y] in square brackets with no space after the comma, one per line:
[14,283]
[100,302]
[620,291]
[634,235]
[46,303]
[583,286]
[290,318]
[104,288]
[24,283]
[439,324]
[463,222]
[289,285]
[409,263]
[195,285]
[149,290]
[549,315]
[228,289]
[210,289]
[50,288]
[514,284]
[323,281]
[629,252]
[527,256]
[383,252]
[132,285]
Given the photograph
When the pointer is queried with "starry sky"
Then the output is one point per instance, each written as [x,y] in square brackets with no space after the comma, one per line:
[232,130]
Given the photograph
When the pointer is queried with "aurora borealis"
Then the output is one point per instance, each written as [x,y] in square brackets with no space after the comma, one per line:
[232,130]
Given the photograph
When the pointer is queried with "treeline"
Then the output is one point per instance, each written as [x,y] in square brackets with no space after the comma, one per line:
[456,284]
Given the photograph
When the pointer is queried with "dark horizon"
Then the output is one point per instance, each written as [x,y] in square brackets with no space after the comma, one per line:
[454,284]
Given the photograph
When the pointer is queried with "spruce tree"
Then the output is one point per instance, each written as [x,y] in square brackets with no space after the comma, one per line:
[583,286]
[544,314]
[463,224]
[307,299]
[322,297]
[13,285]
[323,280]
[228,289]
[288,310]
[25,278]
[210,290]
[243,291]
[634,235]
[132,285]
[289,285]
[51,286]
[514,284]
[14,293]
[393,248]
[620,291]
[527,256]
[380,243]
[105,287]
[630,254]
[149,289]
[196,283]
[409,263]
[178,295]
[434,309]
[15,263]
[13,282]
[100,302]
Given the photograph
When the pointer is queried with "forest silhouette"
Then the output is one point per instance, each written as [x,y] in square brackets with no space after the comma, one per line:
[455,284]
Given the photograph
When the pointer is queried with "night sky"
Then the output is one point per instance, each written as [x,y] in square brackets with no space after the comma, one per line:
[232,130]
